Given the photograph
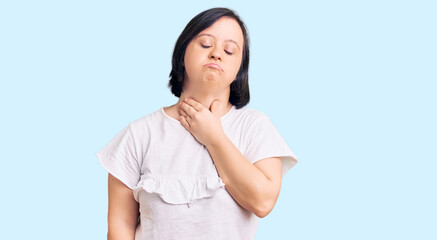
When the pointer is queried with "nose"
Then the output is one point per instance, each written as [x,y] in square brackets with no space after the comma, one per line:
[215,54]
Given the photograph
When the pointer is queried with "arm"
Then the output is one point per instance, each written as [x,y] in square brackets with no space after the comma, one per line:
[254,186]
[123,210]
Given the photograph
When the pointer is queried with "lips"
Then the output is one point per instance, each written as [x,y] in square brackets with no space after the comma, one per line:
[214,65]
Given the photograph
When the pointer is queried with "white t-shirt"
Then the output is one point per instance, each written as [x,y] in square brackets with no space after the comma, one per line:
[174,178]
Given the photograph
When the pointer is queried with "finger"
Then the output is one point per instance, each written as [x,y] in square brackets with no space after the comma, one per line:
[184,114]
[193,103]
[189,110]
[184,122]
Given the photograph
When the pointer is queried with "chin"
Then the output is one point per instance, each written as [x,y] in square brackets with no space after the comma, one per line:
[212,79]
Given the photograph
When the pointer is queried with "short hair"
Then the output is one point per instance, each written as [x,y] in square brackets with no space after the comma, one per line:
[239,89]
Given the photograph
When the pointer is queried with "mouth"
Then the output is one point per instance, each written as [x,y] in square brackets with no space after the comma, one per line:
[213,65]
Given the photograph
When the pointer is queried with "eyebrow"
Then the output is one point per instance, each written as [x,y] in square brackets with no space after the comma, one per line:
[209,35]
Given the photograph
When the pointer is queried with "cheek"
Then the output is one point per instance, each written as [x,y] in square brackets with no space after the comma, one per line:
[235,68]
[189,60]
[188,53]
[192,56]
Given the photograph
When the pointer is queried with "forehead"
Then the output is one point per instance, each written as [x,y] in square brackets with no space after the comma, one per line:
[225,28]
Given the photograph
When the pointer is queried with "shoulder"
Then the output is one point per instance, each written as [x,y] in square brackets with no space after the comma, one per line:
[145,122]
[245,119]
[250,115]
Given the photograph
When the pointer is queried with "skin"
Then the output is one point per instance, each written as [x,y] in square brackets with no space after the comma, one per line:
[123,210]
[205,98]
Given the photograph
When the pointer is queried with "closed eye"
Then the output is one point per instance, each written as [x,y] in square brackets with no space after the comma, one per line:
[229,53]
[205,46]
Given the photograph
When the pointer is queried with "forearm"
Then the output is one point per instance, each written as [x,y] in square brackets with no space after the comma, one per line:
[245,182]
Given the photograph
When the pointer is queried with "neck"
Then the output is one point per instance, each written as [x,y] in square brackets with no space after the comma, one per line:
[206,100]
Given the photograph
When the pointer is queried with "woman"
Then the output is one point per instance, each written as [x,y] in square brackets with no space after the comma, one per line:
[206,167]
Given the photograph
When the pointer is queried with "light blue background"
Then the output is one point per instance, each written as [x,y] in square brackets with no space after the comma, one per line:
[350,85]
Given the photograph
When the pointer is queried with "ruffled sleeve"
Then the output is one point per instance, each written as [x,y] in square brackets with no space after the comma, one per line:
[264,141]
[179,190]
[120,158]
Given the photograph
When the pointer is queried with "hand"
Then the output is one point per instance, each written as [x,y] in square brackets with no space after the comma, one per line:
[203,124]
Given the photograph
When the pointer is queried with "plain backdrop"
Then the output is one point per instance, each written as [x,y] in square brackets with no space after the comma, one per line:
[350,85]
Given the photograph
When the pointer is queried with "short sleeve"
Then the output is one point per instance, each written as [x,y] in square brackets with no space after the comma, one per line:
[119,158]
[264,141]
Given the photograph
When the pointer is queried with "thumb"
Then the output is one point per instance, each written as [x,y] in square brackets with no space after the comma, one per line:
[215,106]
